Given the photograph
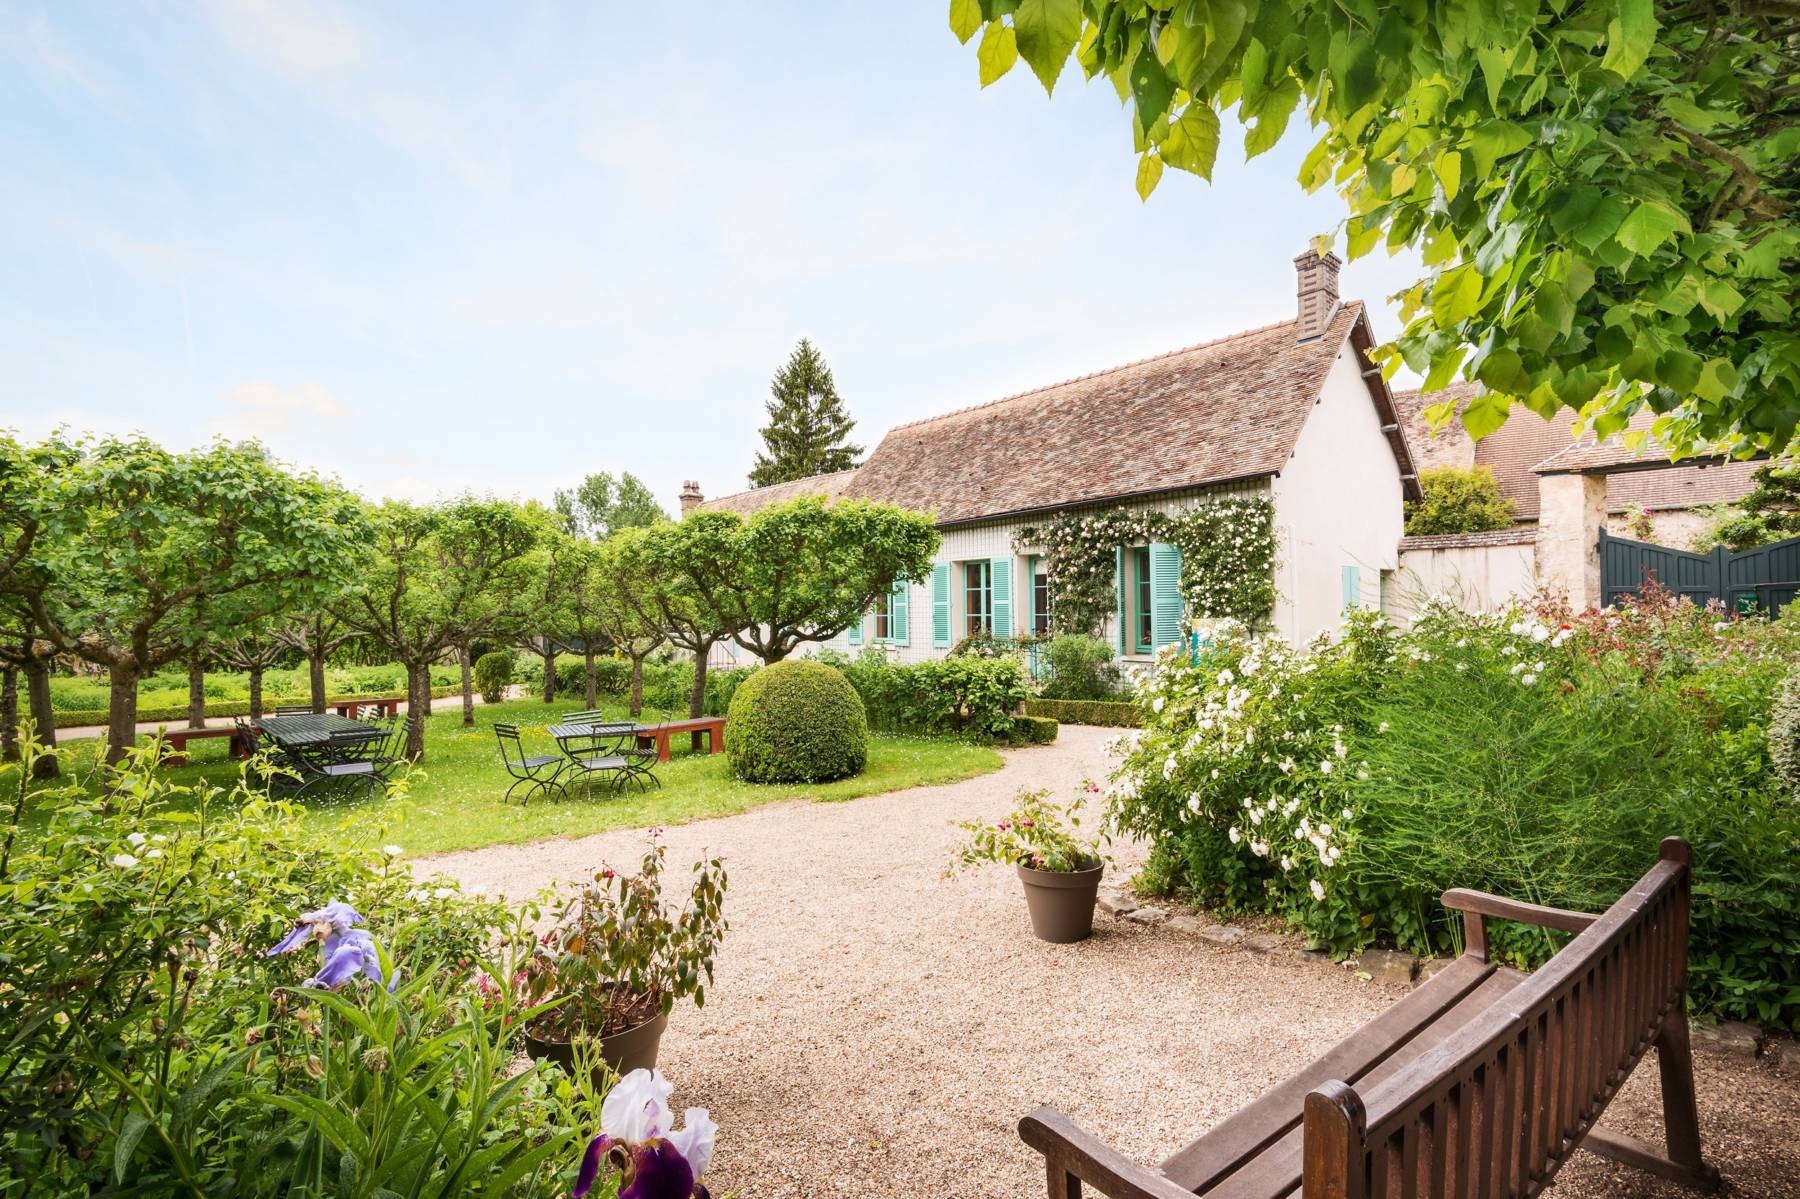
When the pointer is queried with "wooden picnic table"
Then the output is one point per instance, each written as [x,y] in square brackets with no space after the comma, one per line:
[712,726]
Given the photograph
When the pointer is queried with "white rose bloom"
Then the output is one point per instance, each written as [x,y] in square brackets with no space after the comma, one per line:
[136,839]
[1233,835]
[124,861]
[1318,890]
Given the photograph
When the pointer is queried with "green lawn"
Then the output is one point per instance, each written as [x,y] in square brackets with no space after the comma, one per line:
[455,802]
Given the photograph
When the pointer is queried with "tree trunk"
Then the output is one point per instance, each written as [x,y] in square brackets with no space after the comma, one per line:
[637,687]
[418,706]
[196,693]
[256,673]
[697,698]
[121,712]
[315,665]
[593,685]
[43,717]
[549,673]
[468,686]
[9,714]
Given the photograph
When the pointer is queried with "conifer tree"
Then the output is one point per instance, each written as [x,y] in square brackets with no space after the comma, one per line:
[807,423]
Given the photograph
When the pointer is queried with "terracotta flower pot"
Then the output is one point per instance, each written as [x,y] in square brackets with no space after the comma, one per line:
[1061,902]
[632,1049]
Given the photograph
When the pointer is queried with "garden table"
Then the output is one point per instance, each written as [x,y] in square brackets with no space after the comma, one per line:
[597,748]
[310,729]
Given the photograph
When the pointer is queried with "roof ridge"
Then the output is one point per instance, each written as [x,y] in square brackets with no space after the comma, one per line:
[1031,391]
[825,474]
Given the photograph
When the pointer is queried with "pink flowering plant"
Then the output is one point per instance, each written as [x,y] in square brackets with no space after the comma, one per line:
[1036,834]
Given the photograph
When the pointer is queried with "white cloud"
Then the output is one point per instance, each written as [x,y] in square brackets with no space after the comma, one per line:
[302,41]
[262,410]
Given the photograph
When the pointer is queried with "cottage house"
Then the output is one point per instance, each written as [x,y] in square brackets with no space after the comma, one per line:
[1295,412]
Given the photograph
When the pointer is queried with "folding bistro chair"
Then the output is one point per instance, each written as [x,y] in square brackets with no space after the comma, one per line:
[535,774]
[609,749]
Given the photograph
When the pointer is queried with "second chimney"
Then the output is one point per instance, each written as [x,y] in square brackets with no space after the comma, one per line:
[1318,278]
[690,496]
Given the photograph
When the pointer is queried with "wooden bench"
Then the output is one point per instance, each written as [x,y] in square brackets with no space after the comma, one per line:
[353,708]
[712,726]
[1480,1083]
[178,739]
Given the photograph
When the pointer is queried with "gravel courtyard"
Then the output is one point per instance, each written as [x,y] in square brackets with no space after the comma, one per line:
[877,1029]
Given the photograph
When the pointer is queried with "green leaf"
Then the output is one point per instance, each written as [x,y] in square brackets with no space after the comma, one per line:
[1602,222]
[997,52]
[1207,44]
[1456,296]
[131,1131]
[1648,226]
[1151,87]
[1717,379]
[1046,32]
[1491,141]
[1271,115]
[1448,167]
[965,19]
[1720,299]
[1149,174]
[1484,412]
[1629,36]
[1193,141]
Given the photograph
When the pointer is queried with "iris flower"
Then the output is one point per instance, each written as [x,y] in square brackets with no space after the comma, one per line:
[654,1160]
[344,951]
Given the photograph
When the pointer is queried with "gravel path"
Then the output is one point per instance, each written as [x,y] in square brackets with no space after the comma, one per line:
[877,1029]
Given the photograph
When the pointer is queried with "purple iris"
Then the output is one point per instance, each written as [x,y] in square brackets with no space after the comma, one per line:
[654,1160]
[344,951]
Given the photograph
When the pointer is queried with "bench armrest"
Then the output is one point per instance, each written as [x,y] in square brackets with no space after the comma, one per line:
[1069,1149]
[1474,905]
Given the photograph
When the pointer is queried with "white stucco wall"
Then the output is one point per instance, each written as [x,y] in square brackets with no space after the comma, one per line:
[1338,503]
[1479,577]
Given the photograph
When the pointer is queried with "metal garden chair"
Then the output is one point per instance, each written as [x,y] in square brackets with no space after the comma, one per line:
[535,773]
[293,710]
[609,749]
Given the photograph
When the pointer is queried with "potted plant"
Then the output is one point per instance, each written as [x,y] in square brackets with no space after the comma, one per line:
[618,959]
[1060,869]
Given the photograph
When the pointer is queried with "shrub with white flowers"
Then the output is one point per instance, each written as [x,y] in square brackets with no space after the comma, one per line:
[1227,559]
[1533,751]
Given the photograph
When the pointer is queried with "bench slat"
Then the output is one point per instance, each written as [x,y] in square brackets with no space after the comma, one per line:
[1276,1169]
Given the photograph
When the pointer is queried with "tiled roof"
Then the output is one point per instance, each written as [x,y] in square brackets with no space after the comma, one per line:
[745,502]
[1527,444]
[1518,535]
[1222,410]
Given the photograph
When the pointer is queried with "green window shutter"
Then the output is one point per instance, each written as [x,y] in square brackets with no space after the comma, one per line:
[1165,595]
[1001,579]
[940,606]
[899,618]
[1119,591]
[1352,586]
[853,634]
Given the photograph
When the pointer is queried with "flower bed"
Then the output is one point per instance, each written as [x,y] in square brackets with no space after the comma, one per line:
[1538,753]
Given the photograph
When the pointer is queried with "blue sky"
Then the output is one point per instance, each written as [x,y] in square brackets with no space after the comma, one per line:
[439,247]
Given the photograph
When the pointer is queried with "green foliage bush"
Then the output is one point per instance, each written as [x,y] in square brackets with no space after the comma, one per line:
[796,721]
[153,1050]
[970,696]
[1081,667]
[494,674]
[1538,753]
[166,690]
[1106,713]
[1458,499]
[1036,730]
[84,717]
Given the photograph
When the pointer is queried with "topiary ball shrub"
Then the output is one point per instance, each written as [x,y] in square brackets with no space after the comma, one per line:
[493,675]
[796,722]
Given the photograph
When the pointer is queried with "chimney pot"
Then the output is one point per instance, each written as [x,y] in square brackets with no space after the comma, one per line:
[690,496]
[1317,275]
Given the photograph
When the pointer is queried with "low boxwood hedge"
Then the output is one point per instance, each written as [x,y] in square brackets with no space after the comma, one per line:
[1035,730]
[1108,713]
[76,718]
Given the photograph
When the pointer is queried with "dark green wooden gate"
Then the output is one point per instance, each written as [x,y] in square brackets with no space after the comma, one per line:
[1759,580]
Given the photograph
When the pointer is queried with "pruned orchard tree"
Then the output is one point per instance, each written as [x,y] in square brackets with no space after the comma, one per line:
[24,471]
[315,635]
[620,610]
[31,658]
[254,647]
[800,571]
[427,577]
[578,619]
[549,568]
[667,599]
[1603,192]
[601,505]
[513,600]
[141,546]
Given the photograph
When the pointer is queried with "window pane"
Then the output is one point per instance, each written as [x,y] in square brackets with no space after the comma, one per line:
[977,597]
[1141,559]
[1040,603]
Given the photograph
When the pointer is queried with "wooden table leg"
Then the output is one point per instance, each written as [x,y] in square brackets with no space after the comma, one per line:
[662,745]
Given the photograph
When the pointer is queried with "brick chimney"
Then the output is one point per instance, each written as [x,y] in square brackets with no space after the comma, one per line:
[1318,278]
[690,496]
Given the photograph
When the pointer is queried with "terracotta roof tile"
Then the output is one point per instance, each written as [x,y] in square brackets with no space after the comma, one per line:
[1222,410]
[745,502]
